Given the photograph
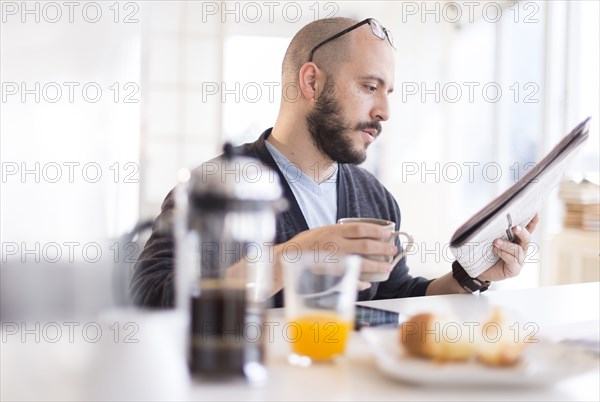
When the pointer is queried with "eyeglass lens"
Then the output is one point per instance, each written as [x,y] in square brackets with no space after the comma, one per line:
[381,32]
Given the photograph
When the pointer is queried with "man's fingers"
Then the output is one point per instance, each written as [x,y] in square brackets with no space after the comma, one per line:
[533,223]
[364,231]
[368,247]
[375,266]
[511,253]
[523,235]
[363,285]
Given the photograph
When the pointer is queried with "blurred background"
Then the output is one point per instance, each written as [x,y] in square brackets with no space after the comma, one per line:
[103,103]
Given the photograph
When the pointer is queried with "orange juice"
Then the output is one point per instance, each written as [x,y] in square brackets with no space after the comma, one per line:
[319,336]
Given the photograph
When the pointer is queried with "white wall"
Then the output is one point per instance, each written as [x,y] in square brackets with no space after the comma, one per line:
[49,131]
[70,160]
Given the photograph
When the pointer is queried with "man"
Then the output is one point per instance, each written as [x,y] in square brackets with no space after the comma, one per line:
[343,71]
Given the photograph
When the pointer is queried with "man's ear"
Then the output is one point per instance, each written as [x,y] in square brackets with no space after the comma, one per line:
[310,78]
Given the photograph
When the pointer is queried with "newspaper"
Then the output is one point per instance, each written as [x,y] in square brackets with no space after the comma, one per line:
[471,244]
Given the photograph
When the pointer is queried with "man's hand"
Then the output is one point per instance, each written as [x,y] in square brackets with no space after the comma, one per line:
[353,238]
[512,255]
[512,259]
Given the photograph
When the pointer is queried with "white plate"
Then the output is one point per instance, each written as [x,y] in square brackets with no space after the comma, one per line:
[543,363]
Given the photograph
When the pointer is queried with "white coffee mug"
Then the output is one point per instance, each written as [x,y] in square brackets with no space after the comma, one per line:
[140,356]
[382,276]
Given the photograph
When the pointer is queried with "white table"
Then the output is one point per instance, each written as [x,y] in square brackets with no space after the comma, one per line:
[561,311]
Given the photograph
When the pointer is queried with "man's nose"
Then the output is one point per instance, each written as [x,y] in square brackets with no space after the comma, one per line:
[381,110]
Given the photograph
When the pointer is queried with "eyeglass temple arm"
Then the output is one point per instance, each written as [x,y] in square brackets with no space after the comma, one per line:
[337,35]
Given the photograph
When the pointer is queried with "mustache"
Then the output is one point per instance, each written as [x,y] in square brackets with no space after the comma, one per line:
[370,124]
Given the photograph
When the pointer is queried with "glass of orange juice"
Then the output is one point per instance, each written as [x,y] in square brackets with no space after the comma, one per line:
[320,292]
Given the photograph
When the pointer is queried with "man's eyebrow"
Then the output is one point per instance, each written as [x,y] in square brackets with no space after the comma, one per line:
[379,80]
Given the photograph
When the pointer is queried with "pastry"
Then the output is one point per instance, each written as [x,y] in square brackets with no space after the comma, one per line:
[444,338]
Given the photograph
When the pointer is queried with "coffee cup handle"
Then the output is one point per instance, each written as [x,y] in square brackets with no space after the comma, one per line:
[407,246]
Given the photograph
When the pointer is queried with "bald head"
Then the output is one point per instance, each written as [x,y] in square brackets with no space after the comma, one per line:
[328,57]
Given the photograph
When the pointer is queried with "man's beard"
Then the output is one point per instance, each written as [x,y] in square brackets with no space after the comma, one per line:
[330,133]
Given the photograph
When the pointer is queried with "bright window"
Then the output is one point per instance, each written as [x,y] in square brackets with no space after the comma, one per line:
[252,85]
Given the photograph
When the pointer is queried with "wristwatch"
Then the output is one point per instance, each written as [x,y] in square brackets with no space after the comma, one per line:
[469,284]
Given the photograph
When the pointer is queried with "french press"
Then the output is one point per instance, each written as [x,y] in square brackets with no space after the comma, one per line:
[224,234]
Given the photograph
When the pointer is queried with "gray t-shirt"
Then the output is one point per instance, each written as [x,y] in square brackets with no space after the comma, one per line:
[318,201]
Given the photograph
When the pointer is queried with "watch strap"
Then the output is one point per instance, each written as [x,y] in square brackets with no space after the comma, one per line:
[466,282]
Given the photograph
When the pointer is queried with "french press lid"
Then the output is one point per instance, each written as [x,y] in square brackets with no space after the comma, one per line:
[235,182]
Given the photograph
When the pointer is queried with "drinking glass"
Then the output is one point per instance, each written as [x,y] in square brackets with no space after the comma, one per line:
[320,294]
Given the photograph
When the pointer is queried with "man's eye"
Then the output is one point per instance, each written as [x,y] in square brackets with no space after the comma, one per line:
[370,88]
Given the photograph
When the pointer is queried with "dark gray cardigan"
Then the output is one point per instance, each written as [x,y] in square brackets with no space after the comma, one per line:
[360,194]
